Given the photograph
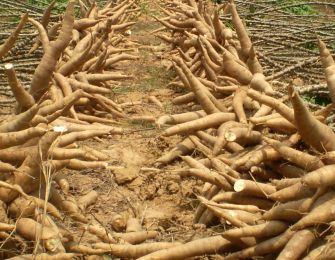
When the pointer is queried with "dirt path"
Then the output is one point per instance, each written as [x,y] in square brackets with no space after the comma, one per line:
[158,197]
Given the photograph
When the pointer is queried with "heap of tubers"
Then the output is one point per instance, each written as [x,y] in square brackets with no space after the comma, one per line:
[69,100]
[265,159]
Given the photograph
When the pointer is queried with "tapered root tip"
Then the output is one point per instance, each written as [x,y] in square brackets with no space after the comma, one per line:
[252,52]
[322,45]
[290,90]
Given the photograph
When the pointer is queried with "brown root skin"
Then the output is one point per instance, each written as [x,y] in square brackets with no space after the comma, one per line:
[204,246]
[102,233]
[75,62]
[23,98]
[244,216]
[320,177]
[281,125]
[14,155]
[208,192]
[62,183]
[303,160]
[84,23]
[85,250]
[75,164]
[198,88]
[288,170]
[208,176]
[312,131]
[254,158]
[57,153]
[6,167]
[208,59]
[137,237]
[259,83]
[30,229]
[200,146]
[212,52]
[326,57]
[239,96]
[87,199]
[183,148]
[322,212]
[98,77]
[297,245]
[235,69]
[61,103]
[95,119]
[20,137]
[24,207]
[193,163]
[260,249]
[238,198]
[224,169]
[9,43]
[34,158]
[241,31]
[46,67]
[118,222]
[68,205]
[135,251]
[296,191]
[243,136]
[45,256]
[276,104]
[27,175]
[330,77]
[241,176]
[229,206]
[267,229]
[218,27]
[285,182]
[290,211]
[226,215]
[84,42]
[200,124]
[20,121]
[52,33]
[253,63]
[252,188]
[220,142]
[179,118]
[43,35]
[89,88]
[47,13]
[133,225]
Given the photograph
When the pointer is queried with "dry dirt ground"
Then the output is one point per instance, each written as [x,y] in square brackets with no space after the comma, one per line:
[158,197]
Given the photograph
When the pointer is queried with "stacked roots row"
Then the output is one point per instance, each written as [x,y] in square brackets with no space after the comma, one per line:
[69,100]
[267,160]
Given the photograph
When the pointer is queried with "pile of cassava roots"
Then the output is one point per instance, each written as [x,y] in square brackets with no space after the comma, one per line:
[69,99]
[266,159]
